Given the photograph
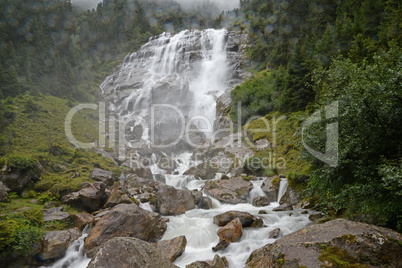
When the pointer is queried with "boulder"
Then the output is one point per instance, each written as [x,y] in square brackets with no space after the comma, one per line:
[55,243]
[315,215]
[203,171]
[283,207]
[117,196]
[172,201]
[217,262]
[128,252]
[84,219]
[246,219]
[336,243]
[290,197]
[172,248]
[261,201]
[55,214]
[275,233]
[197,196]
[232,191]
[101,175]
[17,181]
[205,203]
[271,188]
[3,192]
[143,172]
[88,198]
[231,232]
[125,220]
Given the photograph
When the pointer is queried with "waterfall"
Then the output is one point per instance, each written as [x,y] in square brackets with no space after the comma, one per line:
[282,189]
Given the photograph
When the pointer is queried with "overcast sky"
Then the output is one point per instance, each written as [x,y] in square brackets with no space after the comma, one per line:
[222,4]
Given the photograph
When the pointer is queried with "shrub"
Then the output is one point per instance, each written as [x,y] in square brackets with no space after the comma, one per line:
[22,163]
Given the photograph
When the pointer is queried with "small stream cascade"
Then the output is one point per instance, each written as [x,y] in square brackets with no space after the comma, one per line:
[188,71]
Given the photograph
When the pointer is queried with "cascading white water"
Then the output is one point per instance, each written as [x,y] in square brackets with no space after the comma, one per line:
[75,256]
[189,71]
[282,188]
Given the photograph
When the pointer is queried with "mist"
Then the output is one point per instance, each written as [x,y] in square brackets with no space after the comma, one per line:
[186,4]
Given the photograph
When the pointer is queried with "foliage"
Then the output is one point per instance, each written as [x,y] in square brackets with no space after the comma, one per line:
[21,163]
[367,179]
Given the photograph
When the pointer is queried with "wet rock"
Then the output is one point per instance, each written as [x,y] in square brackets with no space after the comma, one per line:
[55,243]
[82,220]
[315,215]
[117,196]
[232,191]
[125,220]
[231,232]
[172,248]
[271,188]
[261,212]
[197,196]
[172,201]
[205,203]
[101,175]
[275,233]
[88,198]
[337,243]
[290,196]
[3,192]
[217,262]
[55,214]
[246,219]
[283,207]
[127,252]
[203,171]
[261,201]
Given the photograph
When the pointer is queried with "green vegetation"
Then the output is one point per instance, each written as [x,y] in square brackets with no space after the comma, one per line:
[338,257]
[309,54]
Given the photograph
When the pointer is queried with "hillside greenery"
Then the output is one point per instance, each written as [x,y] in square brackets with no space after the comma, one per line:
[310,54]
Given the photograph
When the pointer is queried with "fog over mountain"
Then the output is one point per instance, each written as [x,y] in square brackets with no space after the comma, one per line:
[187,4]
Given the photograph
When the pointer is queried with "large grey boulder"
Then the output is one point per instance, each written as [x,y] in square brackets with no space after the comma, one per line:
[172,248]
[172,201]
[104,176]
[203,171]
[337,243]
[232,191]
[271,188]
[55,214]
[125,220]
[246,219]
[90,197]
[128,252]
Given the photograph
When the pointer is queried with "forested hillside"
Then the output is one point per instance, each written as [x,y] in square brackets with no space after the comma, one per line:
[313,53]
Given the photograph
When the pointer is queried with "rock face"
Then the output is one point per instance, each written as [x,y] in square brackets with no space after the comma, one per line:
[83,219]
[202,171]
[232,191]
[3,192]
[290,196]
[337,243]
[55,214]
[101,175]
[172,201]
[89,197]
[125,220]
[271,188]
[126,252]
[55,243]
[283,207]
[17,181]
[261,201]
[172,248]
[246,219]
[231,232]
[217,262]
[117,196]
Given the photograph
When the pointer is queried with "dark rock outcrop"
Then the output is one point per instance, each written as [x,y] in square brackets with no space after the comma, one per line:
[88,198]
[290,197]
[232,191]
[246,219]
[275,233]
[283,207]
[3,192]
[337,243]
[271,188]
[172,248]
[172,201]
[127,252]
[104,176]
[125,220]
